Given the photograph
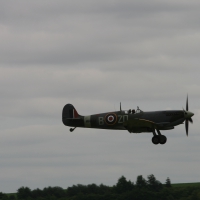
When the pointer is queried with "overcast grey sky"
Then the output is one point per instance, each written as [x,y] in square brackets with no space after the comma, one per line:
[95,54]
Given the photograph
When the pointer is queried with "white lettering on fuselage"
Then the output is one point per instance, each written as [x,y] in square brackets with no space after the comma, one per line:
[121,119]
[125,118]
[101,121]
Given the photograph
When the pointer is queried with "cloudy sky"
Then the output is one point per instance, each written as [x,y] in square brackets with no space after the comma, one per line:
[95,54]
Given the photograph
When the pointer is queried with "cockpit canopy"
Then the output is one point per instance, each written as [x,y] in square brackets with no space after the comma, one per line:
[133,111]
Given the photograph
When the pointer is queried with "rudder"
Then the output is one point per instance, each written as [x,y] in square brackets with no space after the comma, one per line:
[69,112]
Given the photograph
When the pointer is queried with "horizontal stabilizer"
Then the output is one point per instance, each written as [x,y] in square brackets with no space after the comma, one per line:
[78,122]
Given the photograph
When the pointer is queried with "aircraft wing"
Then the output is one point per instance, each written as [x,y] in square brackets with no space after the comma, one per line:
[131,123]
[141,123]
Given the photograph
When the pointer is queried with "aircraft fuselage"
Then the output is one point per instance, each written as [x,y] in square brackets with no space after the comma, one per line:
[131,120]
[115,120]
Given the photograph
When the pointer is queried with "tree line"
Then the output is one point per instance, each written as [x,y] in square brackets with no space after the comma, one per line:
[142,189]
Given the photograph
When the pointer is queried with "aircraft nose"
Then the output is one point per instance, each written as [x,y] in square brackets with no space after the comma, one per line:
[189,114]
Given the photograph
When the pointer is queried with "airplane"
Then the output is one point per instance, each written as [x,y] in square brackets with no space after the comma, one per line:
[134,121]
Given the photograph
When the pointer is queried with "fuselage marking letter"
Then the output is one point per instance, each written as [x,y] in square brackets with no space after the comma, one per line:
[120,119]
[125,118]
[101,121]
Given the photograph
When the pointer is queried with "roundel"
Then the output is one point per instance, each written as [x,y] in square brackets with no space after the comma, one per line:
[111,119]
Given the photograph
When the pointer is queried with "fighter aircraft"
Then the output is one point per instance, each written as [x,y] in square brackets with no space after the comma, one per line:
[134,121]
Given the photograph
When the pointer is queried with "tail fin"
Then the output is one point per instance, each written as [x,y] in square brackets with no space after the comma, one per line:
[69,112]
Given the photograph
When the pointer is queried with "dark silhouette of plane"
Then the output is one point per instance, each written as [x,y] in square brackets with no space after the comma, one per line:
[135,121]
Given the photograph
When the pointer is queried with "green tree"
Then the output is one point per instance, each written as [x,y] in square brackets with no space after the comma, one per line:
[168,182]
[92,189]
[37,193]
[2,195]
[23,193]
[12,197]
[123,185]
[153,183]
[104,189]
[141,182]
[76,189]
[57,192]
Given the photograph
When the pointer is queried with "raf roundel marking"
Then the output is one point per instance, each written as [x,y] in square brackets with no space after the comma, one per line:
[110,119]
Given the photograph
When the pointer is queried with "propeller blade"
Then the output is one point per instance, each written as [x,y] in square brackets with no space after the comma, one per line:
[187,103]
[188,116]
[186,126]
[190,120]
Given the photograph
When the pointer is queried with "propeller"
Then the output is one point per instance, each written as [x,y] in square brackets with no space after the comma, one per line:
[188,117]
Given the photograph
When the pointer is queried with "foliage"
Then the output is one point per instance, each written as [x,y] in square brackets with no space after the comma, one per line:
[168,182]
[141,182]
[123,185]
[150,189]
[153,184]
[23,193]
